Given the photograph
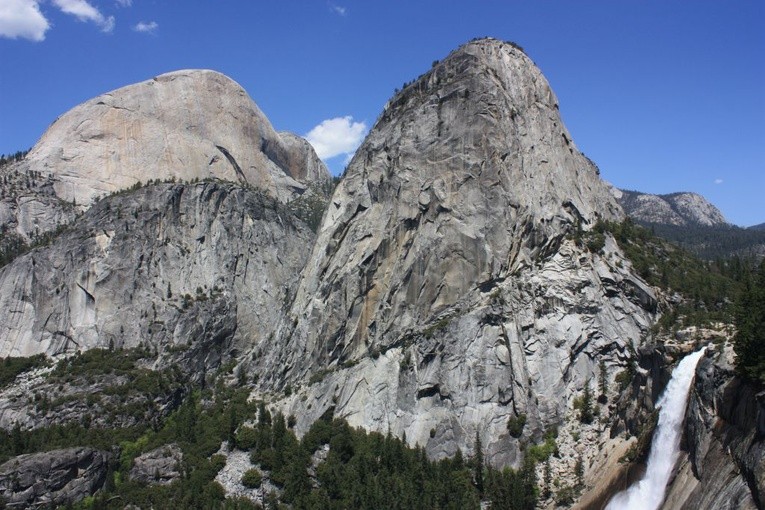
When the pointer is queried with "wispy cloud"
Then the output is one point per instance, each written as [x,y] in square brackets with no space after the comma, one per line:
[147,27]
[338,9]
[84,11]
[22,19]
[718,181]
[124,3]
[333,137]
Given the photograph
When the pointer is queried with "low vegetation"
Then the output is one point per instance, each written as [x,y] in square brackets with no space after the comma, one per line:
[13,245]
[10,368]
[515,425]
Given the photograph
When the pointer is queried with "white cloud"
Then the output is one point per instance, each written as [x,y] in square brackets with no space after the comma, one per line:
[146,26]
[125,3]
[84,11]
[22,18]
[342,11]
[336,136]
[718,181]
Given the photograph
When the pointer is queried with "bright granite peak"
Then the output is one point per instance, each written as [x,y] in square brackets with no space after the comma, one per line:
[445,283]
[184,125]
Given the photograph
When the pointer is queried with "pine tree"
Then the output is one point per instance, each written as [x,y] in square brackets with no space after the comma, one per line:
[478,463]
[547,492]
[579,471]
[602,381]
[585,413]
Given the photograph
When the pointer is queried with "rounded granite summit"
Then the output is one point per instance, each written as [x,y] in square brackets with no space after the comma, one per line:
[185,125]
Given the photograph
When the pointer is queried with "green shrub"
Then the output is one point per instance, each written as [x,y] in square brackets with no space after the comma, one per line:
[246,438]
[624,378]
[516,424]
[542,451]
[565,496]
[252,478]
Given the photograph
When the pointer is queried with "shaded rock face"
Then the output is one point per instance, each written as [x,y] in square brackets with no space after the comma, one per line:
[160,466]
[29,205]
[52,478]
[636,413]
[206,267]
[680,209]
[443,294]
[724,432]
[184,125]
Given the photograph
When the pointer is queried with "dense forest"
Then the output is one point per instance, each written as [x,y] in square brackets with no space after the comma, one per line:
[717,242]
[749,341]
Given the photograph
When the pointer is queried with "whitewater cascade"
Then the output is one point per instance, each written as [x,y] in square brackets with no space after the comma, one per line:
[648,493]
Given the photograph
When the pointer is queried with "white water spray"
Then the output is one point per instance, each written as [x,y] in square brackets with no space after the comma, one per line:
[648,493]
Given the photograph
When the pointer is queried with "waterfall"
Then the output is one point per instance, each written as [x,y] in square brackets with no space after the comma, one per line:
[648,493]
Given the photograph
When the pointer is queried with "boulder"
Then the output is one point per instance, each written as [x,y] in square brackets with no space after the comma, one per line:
[54,478]
[160,466]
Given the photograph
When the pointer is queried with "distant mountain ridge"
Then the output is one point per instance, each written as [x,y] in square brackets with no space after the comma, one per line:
[691,221]
[680,209]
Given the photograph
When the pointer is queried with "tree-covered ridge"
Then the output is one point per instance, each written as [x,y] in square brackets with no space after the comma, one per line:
[713,242]
[12,158]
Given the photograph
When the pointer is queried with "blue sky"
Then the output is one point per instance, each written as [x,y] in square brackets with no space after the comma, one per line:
[663,95]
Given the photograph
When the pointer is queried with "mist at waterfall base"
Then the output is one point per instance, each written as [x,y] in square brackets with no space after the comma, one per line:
[648,493]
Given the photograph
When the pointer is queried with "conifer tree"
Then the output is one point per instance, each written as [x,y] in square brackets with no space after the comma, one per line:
[478,463]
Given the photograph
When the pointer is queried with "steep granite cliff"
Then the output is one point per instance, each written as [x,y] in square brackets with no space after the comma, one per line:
[166,265]
[445,292]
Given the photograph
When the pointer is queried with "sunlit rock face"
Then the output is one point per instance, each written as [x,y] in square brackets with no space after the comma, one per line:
[445,292]
[184,125]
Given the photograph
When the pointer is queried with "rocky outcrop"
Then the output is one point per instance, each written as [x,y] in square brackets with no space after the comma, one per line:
[206,267]
[54,478]
[724,438]
[160,466]
[29,208]
[445,292]
[679,209]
